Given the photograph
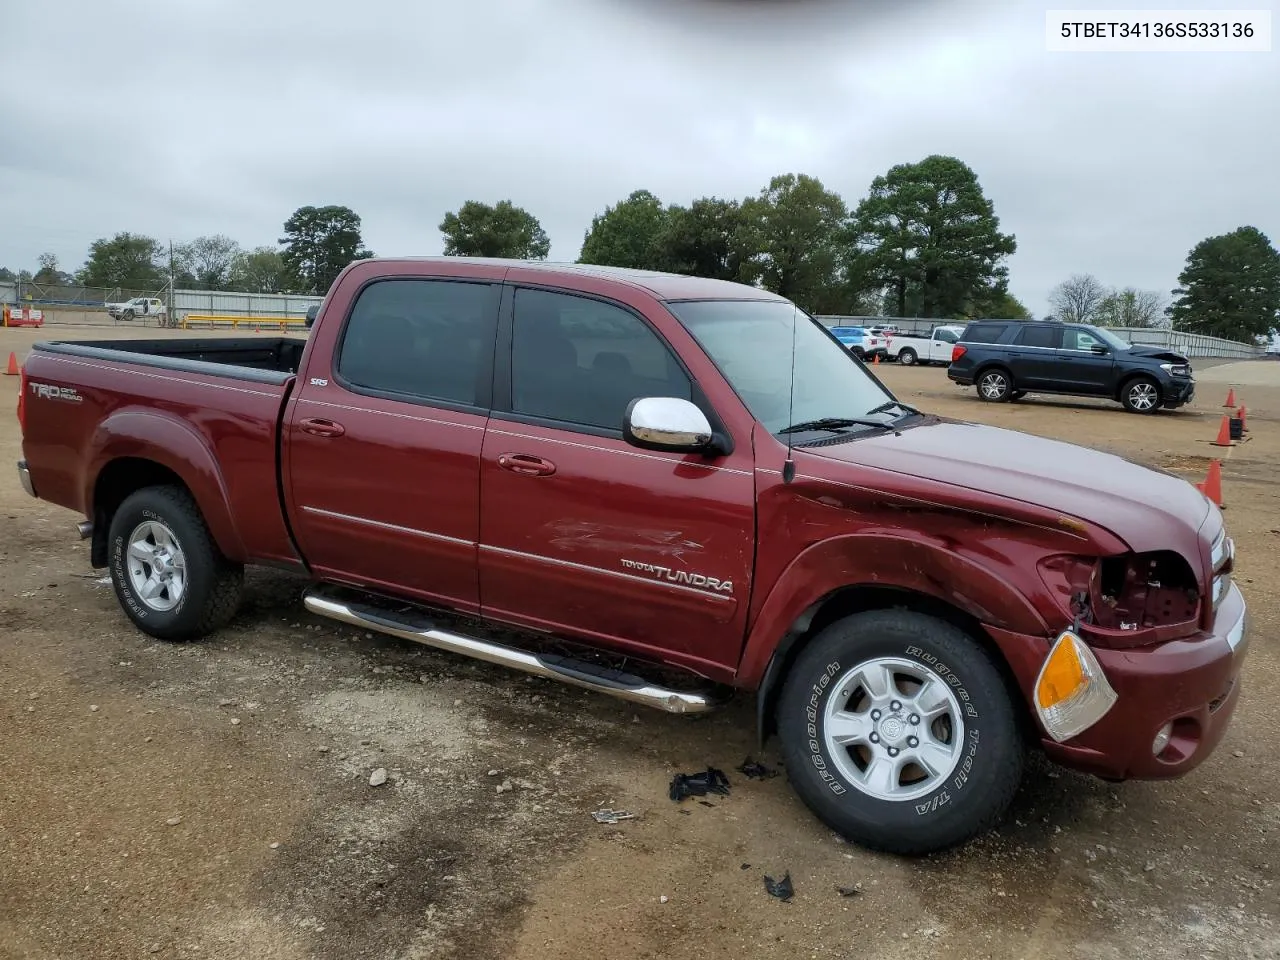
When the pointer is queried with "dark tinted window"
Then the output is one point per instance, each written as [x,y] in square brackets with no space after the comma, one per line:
[423,338]
[983,333]
[945,336]
[1037,335]
[582,361]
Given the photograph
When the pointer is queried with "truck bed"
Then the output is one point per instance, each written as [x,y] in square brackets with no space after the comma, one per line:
[261,359]
[205,412]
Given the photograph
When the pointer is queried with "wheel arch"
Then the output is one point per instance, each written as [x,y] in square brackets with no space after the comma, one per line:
[138,449]
[860,598]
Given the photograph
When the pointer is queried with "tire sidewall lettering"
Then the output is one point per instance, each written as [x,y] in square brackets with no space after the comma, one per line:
[126,591]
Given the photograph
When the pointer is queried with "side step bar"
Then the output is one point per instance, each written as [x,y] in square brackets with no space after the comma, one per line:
[577,673]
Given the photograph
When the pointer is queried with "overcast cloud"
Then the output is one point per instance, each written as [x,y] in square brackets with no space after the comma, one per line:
[177,118]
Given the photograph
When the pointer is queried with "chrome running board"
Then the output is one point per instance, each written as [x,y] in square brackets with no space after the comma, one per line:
[419,628]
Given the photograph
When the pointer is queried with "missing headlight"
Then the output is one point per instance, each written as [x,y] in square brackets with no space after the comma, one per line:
[1139,591]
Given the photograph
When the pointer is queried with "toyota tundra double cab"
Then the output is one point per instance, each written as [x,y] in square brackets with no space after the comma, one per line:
[667,489]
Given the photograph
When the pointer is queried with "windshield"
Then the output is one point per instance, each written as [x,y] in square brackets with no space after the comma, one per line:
[1110,339]
[750,342]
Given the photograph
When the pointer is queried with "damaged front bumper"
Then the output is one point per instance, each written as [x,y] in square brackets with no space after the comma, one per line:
[1173,702]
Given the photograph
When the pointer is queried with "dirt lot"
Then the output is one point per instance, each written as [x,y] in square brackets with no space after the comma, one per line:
[212,800]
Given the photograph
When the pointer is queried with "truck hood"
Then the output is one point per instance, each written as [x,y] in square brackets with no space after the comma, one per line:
[1141,506]
[1157,353]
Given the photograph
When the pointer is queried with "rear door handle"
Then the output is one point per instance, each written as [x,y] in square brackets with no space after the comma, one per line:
[318,427]
[526,465]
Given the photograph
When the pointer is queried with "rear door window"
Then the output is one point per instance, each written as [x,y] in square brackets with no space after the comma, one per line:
[1036,335]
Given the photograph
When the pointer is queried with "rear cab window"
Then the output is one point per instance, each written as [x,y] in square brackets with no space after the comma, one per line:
[423,340]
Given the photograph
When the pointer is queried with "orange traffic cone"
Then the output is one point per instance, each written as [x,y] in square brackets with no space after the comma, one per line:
[1224,433]
[13,366]
[875,360]
[1231,398]
[1212,486]
[1240,413]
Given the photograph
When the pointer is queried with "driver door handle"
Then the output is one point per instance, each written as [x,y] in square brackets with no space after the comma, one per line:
[526,465]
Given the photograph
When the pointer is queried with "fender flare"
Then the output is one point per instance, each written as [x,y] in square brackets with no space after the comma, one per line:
[880,561]
[166,440]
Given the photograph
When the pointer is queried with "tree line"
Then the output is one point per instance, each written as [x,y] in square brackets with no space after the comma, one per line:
[923,242]
[1229,288]
[318,243]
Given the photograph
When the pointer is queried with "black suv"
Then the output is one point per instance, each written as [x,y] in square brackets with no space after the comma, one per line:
[1008,359]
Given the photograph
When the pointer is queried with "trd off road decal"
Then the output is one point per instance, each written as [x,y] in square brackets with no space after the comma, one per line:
[47,391]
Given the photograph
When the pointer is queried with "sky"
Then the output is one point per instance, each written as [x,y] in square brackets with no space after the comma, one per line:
[177,118]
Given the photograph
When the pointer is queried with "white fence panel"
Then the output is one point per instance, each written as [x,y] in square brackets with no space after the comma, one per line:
[277,306]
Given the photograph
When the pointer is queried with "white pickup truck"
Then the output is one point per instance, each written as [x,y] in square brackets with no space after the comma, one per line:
[909,349]
[137,307]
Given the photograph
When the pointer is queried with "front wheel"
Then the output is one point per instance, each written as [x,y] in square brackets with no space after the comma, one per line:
[900,733]
[1141,395]
[907,357]
[170,577]
[995,386]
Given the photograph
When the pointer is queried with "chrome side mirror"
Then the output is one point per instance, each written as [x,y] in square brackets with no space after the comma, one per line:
[666,423]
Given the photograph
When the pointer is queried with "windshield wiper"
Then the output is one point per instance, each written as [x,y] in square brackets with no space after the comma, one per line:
[836,424]
[886,407]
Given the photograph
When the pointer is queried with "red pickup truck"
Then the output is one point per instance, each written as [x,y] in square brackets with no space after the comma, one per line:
[673,488]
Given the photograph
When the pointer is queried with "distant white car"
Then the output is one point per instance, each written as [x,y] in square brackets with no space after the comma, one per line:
[909,349]
[137,307]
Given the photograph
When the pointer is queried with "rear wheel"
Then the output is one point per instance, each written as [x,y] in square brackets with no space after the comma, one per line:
[995,386]
[168,574]
[900,733]
[1141,395]
[907,357]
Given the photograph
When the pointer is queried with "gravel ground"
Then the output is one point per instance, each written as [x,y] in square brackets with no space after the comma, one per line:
[214,800]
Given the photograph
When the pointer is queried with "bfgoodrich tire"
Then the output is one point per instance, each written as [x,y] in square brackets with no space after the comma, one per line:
[169,576]
[899,732]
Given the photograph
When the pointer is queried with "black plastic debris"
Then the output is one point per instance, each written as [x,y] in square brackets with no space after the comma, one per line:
[756,771]
[746,866]
[707,803]
[849,891]
[699,784]
[781,889]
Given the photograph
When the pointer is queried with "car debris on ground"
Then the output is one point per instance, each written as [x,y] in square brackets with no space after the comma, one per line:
[782,889]
[711,780]
[611,816]
[753,770]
